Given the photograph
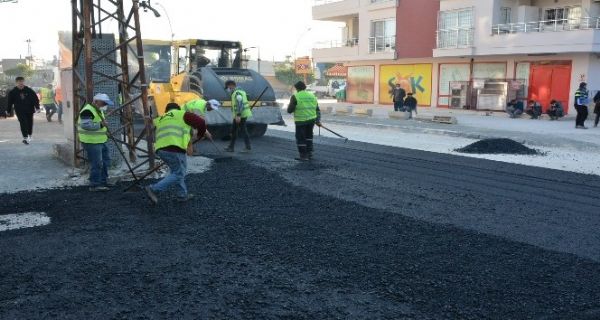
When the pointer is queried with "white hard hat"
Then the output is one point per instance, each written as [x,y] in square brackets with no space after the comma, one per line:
[214,104]
[104,98]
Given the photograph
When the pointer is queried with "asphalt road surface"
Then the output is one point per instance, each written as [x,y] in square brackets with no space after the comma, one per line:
[362,232]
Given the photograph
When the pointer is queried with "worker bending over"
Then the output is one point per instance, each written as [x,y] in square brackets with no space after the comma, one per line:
[240,111]
[305,108]
[172,134]
[199,107]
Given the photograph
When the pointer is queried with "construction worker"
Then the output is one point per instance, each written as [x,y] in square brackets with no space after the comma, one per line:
[92,132]
[240,111]
[305,108]
[48,101]
[199,107]
[173,134]
[581,102]
[59,106]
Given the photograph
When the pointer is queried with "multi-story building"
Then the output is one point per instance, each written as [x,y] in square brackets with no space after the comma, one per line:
[467,53]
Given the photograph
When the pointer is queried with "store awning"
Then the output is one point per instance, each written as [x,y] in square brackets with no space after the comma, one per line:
[337,71]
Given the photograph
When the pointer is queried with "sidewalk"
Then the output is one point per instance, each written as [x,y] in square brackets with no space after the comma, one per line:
[33,166]
[479,125]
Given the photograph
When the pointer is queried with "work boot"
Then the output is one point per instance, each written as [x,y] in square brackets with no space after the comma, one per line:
[151,195]
[303,158]
[229,149]
[186,198]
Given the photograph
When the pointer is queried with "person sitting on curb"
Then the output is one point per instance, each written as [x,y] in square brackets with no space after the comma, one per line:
[534,109]
[514,108]
[555,111]
[410,104]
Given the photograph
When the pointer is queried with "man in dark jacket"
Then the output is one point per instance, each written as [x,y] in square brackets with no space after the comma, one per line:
[25,102]
[410,103]
[398,95]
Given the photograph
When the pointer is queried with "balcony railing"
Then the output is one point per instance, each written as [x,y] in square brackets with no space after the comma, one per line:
[584,23]
[382,44]
[323,2]
[455,38]
[336,44]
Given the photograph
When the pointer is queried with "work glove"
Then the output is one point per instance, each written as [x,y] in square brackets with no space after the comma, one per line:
[318,124]
[238,119]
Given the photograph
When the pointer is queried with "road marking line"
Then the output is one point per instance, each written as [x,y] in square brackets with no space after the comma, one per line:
[23,220]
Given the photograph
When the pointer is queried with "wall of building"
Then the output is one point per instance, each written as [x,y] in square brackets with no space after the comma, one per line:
[584,67]
[416,26]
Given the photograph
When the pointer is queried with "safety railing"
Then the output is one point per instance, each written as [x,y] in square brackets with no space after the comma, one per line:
[382,44]
[336,44]
[455,38]
[572,24]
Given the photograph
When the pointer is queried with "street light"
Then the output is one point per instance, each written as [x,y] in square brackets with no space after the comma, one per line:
[168,19]
[258,49]
[299,39]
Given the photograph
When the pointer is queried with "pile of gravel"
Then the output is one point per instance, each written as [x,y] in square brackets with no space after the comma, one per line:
[498,146]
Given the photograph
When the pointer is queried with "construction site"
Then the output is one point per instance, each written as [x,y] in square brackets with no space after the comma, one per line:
[450,214]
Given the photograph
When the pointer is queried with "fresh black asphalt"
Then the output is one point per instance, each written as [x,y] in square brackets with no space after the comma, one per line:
[259,242]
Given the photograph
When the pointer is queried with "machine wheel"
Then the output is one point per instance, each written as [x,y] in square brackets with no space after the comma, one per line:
[257,130]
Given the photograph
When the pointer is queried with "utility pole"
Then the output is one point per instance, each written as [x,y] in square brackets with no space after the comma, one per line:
[89,18]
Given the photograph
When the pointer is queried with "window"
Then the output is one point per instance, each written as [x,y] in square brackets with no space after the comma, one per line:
[505,15]
[383,35]
[455,28]
[570,15]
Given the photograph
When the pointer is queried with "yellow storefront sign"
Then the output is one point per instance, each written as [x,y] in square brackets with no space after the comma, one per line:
[415,78]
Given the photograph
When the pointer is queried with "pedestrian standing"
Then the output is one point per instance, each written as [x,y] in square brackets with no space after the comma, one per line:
[398,95]
[172,135]
[597,108]
[305,107]
[410,104]
[240,111]
[93,135]
[59,104]
[48,101]
[581,102]
[25,103]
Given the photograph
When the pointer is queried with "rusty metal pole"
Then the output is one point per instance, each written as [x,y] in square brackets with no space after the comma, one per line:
[126,86]
[76,85]
[87,45]
[144,85]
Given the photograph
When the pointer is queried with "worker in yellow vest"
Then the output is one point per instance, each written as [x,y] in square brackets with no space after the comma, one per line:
[172,136]
[199,107]
[92,133]
[240,112]
[48,101]
[305,107]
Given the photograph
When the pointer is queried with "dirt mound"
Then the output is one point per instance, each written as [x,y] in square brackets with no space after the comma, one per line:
[498,146]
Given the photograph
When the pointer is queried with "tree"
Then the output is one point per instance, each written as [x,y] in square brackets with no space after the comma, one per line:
[286,74]
[21,70]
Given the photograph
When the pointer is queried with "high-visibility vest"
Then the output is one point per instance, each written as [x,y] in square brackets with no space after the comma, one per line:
[306,108]
[246,111]
[47,96]
[581,97]
[88,136]
[197,107]
[171,130]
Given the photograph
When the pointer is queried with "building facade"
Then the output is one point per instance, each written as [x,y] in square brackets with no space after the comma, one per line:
[474,54]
